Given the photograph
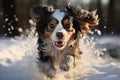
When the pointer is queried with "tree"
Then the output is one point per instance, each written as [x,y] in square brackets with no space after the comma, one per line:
[111,14]
[99,10]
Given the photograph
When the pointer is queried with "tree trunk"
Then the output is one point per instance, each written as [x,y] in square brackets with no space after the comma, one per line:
[99,10]
[111,15]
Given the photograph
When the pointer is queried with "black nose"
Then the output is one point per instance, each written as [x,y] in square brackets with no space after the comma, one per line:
[59,35]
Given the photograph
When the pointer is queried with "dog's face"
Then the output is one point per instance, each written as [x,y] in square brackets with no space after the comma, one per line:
[60,29]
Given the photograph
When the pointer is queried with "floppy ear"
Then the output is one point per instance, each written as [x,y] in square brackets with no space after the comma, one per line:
[85,18]
[37,12]
[40,15]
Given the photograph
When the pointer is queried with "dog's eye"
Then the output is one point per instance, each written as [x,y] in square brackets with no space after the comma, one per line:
[51,26]
[88,17]
[67,26]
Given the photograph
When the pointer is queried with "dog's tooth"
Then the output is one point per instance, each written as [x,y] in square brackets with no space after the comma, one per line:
[96,17]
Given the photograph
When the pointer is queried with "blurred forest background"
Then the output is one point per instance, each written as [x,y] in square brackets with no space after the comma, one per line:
[14,14]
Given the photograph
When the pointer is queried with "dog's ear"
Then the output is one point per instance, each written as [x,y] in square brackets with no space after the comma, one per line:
[85,18]
[37,12]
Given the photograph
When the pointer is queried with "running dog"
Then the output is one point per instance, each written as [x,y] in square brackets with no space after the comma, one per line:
[59,33]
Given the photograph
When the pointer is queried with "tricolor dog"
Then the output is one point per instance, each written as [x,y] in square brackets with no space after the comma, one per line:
[59,33]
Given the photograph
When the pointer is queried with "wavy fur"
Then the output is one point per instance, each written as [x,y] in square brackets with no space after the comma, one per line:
[50,57]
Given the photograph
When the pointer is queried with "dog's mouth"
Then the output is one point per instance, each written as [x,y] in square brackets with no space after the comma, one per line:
[59,44]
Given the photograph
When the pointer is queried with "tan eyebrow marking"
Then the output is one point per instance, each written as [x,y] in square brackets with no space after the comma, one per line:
[66,21]
[54,22]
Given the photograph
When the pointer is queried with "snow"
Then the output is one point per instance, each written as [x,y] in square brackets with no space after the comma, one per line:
[6,19]
[18,58]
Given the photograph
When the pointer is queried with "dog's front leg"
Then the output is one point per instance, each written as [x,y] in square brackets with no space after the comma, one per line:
[48,69]
[69,62]
[51,72]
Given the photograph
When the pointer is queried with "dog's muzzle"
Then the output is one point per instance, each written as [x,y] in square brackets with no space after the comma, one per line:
[59,43]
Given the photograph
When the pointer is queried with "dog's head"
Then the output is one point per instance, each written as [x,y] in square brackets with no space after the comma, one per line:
[61,26]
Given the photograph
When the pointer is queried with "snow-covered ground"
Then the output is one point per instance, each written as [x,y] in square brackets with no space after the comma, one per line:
[18,60]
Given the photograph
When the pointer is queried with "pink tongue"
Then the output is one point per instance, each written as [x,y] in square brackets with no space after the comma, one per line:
[59,42]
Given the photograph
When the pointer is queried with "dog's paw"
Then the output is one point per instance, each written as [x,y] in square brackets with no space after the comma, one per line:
[48,69]
[65,66]
[51,73]
[67,63]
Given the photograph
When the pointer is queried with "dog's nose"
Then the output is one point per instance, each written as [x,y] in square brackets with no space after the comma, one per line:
[59,35]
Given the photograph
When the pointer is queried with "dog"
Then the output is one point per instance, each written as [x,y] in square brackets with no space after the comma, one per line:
[59,32]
